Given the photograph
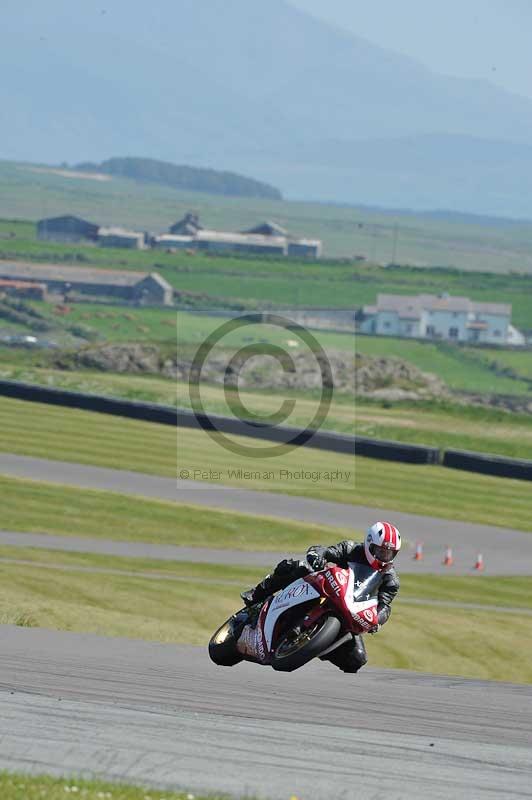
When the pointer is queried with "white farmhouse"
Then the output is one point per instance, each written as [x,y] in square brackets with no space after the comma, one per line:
[428,316]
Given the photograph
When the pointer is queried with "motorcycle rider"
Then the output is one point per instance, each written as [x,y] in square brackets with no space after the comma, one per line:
[381,545]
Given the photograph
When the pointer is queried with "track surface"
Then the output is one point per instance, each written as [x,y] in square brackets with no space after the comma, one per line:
[150,712]
[505,551]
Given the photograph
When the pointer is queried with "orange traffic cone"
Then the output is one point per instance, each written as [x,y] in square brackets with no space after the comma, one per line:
[448,561]
[418,555]
[479,563]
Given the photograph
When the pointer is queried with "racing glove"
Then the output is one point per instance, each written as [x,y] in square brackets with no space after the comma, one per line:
[315,560]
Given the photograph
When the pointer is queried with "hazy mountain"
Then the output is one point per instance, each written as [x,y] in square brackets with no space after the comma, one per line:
[260,88]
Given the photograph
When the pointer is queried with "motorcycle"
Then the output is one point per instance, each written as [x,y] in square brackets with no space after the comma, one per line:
[308,619]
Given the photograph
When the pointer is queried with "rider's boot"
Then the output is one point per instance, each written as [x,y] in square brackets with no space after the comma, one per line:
[271,583]
[284,573]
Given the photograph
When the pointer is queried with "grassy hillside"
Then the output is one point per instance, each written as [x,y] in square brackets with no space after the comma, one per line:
[27,193]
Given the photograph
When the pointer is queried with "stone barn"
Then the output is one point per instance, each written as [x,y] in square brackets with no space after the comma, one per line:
[66,229]
[154,290]
[126,285]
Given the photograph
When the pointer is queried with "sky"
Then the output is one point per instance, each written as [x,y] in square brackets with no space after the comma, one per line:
[487,39]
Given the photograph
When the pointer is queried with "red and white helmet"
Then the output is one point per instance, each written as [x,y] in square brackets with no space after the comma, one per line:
[382,543]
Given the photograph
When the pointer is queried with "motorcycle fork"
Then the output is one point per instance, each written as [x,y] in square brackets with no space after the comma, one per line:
[314,614]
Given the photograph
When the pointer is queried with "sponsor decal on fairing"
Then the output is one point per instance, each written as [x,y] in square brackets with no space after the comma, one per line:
[342,578]
[298,592]
[333,582]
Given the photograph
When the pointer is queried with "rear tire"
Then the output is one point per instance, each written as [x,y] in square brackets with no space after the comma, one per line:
[222,647]
[291,654]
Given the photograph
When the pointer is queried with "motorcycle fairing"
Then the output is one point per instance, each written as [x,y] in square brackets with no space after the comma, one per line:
[299,591]
[363,611]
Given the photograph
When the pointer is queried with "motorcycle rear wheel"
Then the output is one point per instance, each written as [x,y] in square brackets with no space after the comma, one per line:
[293,652]
[222,647]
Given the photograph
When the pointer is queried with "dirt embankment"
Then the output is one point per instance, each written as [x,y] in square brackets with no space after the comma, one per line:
[380,378]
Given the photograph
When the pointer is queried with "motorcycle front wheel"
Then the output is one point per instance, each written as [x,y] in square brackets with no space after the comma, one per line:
[298,648]
[222,646]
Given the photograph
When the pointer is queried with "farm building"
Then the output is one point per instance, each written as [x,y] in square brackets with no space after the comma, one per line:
[66,229]
[427,316]
[118,237]
[136,287]
[27,290]
[240,243]
[188,226]
[297,248]
[170,241]
[267,238]
[304,248]
[268,229]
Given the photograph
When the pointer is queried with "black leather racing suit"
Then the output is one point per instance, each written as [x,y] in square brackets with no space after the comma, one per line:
[350,657]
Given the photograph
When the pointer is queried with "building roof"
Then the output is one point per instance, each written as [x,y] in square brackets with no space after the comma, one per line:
[268,228]
[119,232]
[256,240]
[168,238]
[66,218]
[408,305]
[160,280]
[20,284]
[188,226]
[493,308]
[53,272]
[305,242]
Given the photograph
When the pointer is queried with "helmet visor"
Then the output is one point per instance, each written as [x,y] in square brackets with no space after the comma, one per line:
[383,553]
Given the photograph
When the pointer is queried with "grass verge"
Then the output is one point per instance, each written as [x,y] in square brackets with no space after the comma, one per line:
[448,640]
[34,507]
[16,786]
[103,440]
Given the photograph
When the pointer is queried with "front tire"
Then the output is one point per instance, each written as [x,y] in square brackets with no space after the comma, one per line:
[292,653]
[222,646]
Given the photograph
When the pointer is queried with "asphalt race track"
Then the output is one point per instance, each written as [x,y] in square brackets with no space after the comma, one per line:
[164,714]
[505,551]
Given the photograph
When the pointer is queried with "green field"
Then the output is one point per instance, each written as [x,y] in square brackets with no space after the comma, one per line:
[17,786]
[99,439]
[420,239]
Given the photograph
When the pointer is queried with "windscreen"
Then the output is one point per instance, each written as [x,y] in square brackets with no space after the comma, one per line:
[367,581]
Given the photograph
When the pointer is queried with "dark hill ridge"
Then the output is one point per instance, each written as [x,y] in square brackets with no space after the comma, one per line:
[262,89]
[192,179]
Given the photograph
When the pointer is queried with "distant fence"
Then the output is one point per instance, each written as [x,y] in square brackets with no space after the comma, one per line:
[321,440]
